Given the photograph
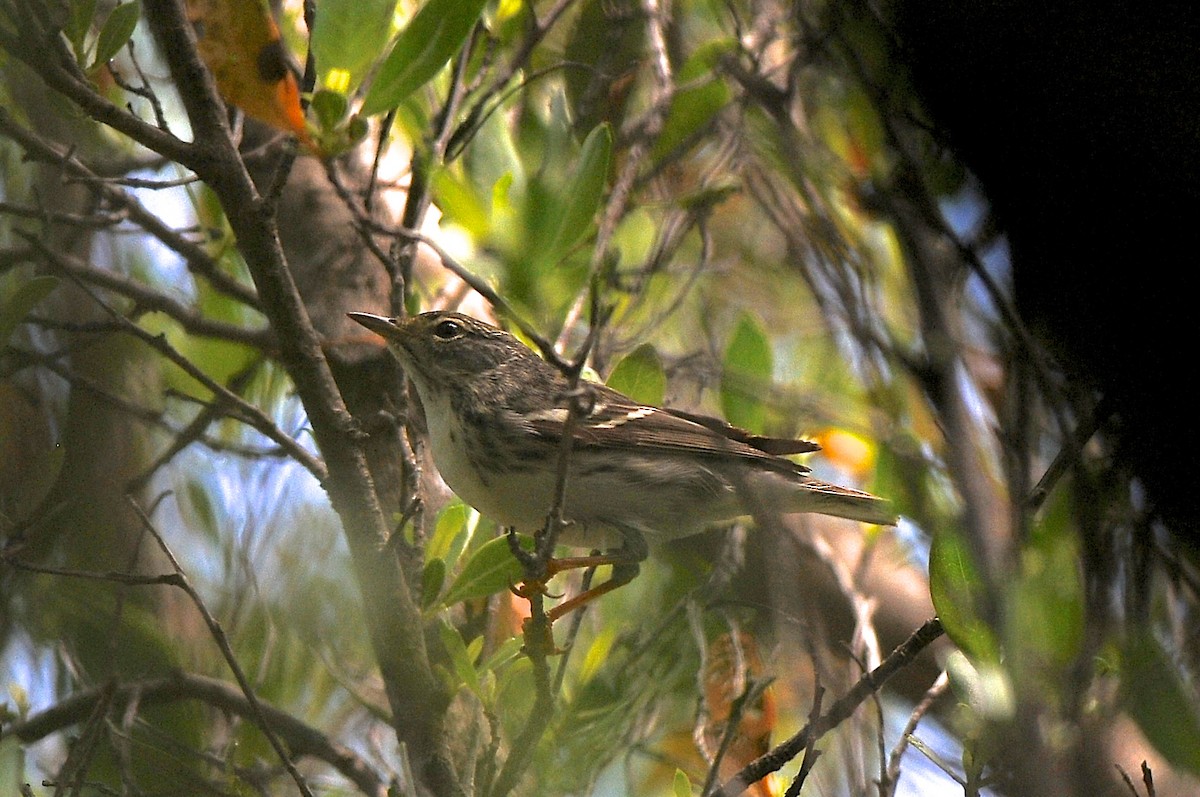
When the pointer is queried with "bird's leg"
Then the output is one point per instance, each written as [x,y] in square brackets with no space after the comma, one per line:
[626,562]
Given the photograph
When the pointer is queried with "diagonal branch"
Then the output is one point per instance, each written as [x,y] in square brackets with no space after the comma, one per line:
[198,260]
[841,710]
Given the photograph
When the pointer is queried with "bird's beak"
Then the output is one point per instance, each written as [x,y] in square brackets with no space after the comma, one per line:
[380,325]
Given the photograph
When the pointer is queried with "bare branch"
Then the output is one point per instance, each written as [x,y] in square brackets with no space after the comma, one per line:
[843,708]
[198,260]
[148,299]
[301,738]
[218,634]
[892,773]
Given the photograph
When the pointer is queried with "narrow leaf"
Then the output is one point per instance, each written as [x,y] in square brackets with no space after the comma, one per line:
[583,194]
[748,368]
[955,586]
[491,569]
[682,785]
[464,668]
[116,31]
[79,22]
[1159,702]
[432,578]
[431,38]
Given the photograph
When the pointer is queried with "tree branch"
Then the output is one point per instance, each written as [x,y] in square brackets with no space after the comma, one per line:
[775,759]
[418,700]
[301,738]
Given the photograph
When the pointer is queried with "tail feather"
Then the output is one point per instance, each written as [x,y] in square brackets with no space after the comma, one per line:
[830,499]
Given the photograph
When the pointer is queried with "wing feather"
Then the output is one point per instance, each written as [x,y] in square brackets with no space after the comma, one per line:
[617,422]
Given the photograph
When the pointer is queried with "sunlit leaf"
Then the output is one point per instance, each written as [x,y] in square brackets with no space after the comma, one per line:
[1163,707]
[346,39]
[640,376]
[491,569]
[681,786]
[429,40]
[117,30]
[460,204]
[1045,602]
[984,686]
[455,526]
[460,659]
[747,372]
[956,589]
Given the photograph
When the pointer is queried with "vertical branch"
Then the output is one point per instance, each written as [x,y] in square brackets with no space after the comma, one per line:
[417,698]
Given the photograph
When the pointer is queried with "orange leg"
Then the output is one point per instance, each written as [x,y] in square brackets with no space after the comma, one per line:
[623,572]
[625,562]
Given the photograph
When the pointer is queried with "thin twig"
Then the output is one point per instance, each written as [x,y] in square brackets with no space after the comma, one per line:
[302,739]
[198,260]
[150,300]
[218,635]
[888,786]
[811,753]
[249,414]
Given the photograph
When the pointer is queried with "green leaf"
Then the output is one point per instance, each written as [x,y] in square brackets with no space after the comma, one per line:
[682,784]
[694,107]
[116,31]
[454,520]
[460,203]
[460,659]
[583,194]
[955,586]
[747,371]
[491,569]
[27,296]
[431,38]
[329,107]
[79,21]
[432,578]
[640,376]
[506,651]
[1045,602]
[204,512]
[1159,702]
[985,687]
[346,39]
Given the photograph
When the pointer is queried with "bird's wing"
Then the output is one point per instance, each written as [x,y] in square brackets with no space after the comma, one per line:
[615,421]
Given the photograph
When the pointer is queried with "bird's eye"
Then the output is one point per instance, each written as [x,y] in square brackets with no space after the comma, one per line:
[448,329]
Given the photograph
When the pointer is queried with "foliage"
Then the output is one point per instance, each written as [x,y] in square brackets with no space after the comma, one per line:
[227,564]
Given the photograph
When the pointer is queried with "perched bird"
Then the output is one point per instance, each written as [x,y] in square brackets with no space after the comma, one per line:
[496,412]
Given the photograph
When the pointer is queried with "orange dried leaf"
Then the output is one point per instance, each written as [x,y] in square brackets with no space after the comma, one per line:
[240,44]
[733,663]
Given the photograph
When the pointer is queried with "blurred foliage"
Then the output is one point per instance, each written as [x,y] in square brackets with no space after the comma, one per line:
[753,197]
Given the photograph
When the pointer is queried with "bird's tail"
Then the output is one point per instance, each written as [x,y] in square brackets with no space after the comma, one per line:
[830,499]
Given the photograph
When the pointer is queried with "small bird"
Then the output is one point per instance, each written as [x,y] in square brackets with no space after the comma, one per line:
[636,473]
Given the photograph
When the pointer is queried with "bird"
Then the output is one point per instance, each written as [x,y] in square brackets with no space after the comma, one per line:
[636,474]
